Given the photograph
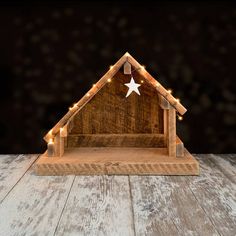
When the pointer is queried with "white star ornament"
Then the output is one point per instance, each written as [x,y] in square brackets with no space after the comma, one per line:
[132,87]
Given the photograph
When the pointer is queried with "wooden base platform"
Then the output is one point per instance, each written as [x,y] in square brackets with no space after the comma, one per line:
[118,161]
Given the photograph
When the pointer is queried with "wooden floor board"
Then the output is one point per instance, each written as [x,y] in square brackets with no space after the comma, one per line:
[12,168]
[225,165]
[98,205]
[34,206]
[164,205]
[216,193]
[118,205]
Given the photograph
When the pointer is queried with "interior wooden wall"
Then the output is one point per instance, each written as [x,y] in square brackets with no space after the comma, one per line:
[110,112]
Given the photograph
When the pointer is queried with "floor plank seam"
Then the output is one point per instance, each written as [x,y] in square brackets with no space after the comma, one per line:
[132,205]
[175,226]
[19,178]
[64,207]
[210,219]
[211,159]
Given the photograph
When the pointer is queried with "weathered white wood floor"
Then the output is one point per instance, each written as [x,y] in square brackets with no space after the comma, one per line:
[118,205]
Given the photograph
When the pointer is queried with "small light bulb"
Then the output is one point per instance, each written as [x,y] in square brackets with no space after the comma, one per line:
[143,67]
[50,140]
[94,85]
[109,80]
[180,118]
[74,105]
[169,91]
[111,67]
[87,94]
[142,81]
[177,100]
[157,84]
[50,132]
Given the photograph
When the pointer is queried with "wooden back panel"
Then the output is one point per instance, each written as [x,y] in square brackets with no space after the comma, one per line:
[117,140]
[110,112]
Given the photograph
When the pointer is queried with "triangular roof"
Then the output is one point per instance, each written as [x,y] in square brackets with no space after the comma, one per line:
[110,73]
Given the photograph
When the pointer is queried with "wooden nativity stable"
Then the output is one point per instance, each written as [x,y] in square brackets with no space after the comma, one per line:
[125,124]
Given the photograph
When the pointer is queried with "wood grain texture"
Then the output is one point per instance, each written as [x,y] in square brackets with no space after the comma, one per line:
[98,205]
[226,164]
[85,99]
[165,123]
[34,206]
[164,104]
[120,161]
[166,206]
[127,68]
[111,112]
[103,81]
[57,144]
[12,168]
[117,140]
[171,132]
[216,193]
[119,205]
[179,147]
[160,89]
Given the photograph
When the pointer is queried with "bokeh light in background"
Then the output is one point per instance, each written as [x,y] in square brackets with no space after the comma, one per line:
[52,54]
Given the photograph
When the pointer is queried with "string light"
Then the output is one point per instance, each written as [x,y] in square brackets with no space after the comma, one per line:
[177,100]
[94,85]
[50,141]
[74,105]
[169,91]
[180,118]
[50,132]
[157,84]
[143,67]
[111,67]
[88,94]
[141,81]
[109,80]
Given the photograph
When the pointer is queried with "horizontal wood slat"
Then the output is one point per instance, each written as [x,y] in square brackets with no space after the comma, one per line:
[120,161]
[116,140]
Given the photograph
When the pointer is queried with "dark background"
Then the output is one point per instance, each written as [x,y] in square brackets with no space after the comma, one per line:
[51,54]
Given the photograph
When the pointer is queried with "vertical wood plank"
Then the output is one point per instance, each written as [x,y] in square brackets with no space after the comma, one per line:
[216,194]
[62,146]
[57,143]
[165,121]
[166,206]
[172,132]
[34,206]
[12,168]
[111,112]
[98,205]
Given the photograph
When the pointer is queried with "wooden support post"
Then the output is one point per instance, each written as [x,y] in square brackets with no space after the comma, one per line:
[63,134]
[172,132]
[165,120]
[62,146]
[57,143]
[179,147]
[51,149]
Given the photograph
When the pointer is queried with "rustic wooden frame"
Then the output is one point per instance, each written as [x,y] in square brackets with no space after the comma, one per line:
[172,158]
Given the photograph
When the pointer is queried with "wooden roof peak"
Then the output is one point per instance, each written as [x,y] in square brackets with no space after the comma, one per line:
[107,78]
